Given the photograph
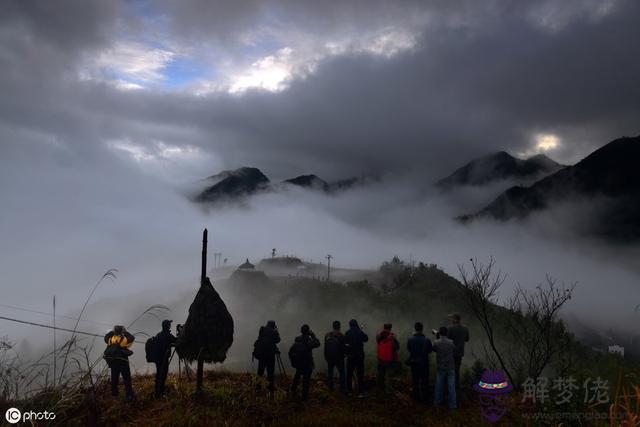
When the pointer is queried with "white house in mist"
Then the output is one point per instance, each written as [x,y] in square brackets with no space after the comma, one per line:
[616,349]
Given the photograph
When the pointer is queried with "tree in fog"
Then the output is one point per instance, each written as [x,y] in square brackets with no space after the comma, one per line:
[529,328]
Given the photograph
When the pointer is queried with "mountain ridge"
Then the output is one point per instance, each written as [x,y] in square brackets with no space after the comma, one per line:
[235,184]
[499,166]
[609,173]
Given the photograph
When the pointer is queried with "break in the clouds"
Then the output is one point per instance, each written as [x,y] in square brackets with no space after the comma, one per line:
[337,89]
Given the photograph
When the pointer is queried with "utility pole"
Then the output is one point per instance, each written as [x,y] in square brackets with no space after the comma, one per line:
[203,274]
[329,267]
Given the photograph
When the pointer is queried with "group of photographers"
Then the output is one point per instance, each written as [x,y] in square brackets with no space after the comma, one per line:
[349,347]
[343,352]
[157,349]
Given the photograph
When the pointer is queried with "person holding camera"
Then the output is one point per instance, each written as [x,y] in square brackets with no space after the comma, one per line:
[117,353]
[301,357]
[388,347]
[354,340]
[334,355]
[459,335]
[164,340]
[265,349]
[446,372]
[419,348]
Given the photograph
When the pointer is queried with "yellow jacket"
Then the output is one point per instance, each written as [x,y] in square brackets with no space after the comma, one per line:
[124,341]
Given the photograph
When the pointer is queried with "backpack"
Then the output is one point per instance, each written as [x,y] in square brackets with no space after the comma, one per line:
[333,347]
[112,352]
[262,347]
[151,349]
[297,353]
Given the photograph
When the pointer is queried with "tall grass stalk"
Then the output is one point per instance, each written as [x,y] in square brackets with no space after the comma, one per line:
[111,275]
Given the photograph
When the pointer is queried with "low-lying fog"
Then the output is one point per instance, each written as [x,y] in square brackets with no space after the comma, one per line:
[60,234]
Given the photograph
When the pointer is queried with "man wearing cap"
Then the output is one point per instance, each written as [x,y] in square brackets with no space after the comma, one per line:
[165,340]
[459,335]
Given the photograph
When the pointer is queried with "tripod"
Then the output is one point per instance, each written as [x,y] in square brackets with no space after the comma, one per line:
[187,369]
[281,369]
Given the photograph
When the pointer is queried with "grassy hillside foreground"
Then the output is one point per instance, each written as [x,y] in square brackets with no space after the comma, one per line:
[230,400]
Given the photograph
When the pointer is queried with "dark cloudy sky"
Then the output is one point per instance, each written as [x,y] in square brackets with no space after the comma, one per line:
[183,89]
[108,108]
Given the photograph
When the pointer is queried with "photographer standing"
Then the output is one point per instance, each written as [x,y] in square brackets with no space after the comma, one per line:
[446,372]
[388,347]
[265,350]
[354,340]
[164,341]
[459,335]
[301,357]
[334,355]
[419,348]
[117,355]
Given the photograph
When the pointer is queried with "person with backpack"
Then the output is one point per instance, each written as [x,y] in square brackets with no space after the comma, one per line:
[459,334]
[388,347]
[446,372]
[117,353]
[265,349]
[158,351]
[301,357]
[419,348]
[354,340]
[334,352]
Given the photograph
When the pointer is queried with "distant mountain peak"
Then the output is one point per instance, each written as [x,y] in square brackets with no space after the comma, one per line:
[232,184]
[499,166]
[610,172]
[309,181]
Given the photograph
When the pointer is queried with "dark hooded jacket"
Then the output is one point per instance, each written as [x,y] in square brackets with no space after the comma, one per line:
[419,347]
[265,346]
[164,341]
[354,340]
[309,342]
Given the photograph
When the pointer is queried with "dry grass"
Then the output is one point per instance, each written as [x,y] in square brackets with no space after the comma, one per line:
[625,410]
[229,399]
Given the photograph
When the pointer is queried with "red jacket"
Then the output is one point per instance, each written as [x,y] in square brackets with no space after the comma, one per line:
[388,346]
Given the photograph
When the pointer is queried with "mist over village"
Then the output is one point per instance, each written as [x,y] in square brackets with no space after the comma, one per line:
[320,213]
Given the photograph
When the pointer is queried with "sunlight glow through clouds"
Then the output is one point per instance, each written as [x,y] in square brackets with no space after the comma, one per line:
[542,143]
[270,73]
[275,72]
[547,142]
[159,150]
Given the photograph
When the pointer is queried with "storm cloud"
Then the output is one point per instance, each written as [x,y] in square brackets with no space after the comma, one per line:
[390,87]
[109,109]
